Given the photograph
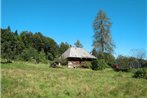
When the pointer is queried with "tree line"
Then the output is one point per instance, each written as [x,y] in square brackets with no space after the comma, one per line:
[28,46]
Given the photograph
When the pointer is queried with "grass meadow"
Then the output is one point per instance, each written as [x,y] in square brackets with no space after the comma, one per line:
[27,80]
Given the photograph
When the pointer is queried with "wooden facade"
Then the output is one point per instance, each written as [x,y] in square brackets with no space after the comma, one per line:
[77,56]
[76,62]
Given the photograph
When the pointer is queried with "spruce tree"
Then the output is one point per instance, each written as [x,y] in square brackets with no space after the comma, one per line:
[78,44]
[102,36]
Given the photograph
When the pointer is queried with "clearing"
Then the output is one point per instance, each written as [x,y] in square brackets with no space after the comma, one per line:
[26,80]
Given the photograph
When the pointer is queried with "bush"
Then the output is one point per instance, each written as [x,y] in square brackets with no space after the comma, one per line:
[122,61]
[127,62]
[94,65]
[99,64]
[141,73]
[144,63]
[86,64]
[108,57]
[42,57]
[56,63]
[117,67]
[32,55]
[63,61]
[28,54]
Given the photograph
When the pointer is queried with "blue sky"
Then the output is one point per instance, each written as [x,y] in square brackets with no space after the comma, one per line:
[71,20]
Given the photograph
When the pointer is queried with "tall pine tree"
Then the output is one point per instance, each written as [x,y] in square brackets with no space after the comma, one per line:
[102,36]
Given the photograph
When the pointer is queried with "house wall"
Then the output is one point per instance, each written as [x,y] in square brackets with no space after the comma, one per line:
[75,62]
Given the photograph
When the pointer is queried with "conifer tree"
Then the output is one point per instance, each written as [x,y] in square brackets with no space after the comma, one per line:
[102,36]
[78,44]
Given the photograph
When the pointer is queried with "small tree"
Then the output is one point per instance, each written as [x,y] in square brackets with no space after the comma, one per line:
[99,64]
[101,55]
[8,44]
[78,44]
[140,73]
[8,51]
[122,61]
[63,47]
[109,59]
[42,57]
[28,54]
[94,52]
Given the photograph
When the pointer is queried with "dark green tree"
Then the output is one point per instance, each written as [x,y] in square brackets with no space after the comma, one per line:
[109,59]
[9,29]
[99,64]
[63,47]
[42,57]
[16,33]
[100,55]
[38,41]
[51,48]
[102,36]
[20,45]
[26,46]
[27,38]
[94,52]
[78,44]
[8,44]
[28,54]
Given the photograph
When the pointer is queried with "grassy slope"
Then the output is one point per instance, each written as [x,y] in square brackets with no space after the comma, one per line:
[24,80]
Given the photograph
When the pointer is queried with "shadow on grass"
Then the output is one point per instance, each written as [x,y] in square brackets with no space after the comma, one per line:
[6,62]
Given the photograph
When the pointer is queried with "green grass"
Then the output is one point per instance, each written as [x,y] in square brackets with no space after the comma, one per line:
[26,80]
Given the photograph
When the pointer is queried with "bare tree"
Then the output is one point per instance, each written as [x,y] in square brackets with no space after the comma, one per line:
[140,54]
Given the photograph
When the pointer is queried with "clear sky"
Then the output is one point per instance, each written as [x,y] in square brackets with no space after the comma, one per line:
[71,20]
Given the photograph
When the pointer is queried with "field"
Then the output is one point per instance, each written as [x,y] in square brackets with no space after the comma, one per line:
[26,80]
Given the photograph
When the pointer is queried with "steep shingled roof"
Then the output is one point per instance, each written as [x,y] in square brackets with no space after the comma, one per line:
[74,52]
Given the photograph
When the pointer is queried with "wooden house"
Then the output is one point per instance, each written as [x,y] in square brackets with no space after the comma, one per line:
[76,56]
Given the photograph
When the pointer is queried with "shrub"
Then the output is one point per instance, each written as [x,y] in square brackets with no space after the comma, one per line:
[117,67]
[94,65]
[42,57]
[99,64]
[144,63]
[28,54]
[128,62]
[86,64]
[108,57]
[63,61]
[141,73]
[122,61]
[56,63]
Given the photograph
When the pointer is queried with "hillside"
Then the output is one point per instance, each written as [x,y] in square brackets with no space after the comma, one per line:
[26,80]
